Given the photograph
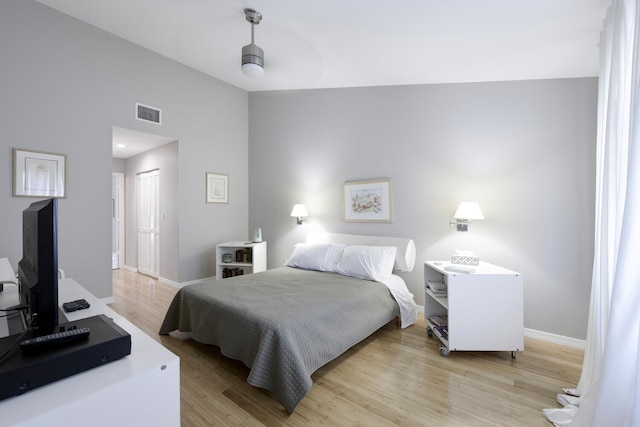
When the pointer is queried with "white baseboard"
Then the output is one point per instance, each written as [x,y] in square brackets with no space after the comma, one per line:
[170,282]
[541,335]
[556,339]
[183,284]
[107,300]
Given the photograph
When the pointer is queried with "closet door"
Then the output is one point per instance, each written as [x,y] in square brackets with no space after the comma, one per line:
[149,222]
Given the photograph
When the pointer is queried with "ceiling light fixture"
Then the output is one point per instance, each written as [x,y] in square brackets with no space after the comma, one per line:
[252,55]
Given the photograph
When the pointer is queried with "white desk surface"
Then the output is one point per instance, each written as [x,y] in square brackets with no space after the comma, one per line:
[8,298]
[7,275]
[140,389]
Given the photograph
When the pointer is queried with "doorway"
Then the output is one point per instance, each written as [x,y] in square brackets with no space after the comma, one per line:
[149,222]
[136,152]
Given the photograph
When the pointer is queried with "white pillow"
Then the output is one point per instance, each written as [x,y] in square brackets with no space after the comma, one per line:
[367,262]
[315,256]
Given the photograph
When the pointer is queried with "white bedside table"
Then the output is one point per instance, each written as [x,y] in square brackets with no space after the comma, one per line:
[483,309]
[254,262]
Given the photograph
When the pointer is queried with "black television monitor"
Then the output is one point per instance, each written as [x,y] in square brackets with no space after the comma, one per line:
[38,268]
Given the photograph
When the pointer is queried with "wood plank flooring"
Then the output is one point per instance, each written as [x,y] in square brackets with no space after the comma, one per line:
[395,377]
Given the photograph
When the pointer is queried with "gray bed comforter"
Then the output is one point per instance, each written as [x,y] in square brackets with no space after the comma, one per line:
[283,324]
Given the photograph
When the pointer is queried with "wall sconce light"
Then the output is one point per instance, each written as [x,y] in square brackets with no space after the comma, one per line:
[467,211]
[300,212]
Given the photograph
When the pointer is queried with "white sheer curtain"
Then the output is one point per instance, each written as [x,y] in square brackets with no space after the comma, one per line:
[609,386]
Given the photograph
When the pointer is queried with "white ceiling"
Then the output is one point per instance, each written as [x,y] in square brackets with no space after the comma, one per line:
[128,143]
[351,43]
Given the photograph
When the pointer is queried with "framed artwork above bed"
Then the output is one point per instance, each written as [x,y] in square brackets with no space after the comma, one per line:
[368,201]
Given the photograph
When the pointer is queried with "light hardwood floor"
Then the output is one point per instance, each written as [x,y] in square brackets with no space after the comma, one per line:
[395,377]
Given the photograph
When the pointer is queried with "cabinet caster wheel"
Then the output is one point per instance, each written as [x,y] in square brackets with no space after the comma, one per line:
[444,351]
[429,332]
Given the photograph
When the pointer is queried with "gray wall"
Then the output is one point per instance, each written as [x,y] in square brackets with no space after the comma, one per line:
[524,150]
[118,165]
[63,85]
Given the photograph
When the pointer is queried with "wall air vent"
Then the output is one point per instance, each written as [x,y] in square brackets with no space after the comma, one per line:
[148,114]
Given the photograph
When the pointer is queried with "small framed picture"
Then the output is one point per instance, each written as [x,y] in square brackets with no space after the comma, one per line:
[367,201]
[38,174]
[217,188]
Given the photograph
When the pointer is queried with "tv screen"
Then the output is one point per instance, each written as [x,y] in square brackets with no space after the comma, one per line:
[38,268]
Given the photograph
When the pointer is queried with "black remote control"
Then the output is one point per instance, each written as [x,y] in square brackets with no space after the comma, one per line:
[78,304]
[70,335]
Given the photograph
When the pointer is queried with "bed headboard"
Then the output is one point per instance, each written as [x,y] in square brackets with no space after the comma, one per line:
[406,248]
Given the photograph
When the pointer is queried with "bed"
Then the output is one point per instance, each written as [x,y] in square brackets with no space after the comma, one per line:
[334,291]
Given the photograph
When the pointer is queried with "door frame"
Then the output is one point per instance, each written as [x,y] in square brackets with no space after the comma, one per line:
[118,217]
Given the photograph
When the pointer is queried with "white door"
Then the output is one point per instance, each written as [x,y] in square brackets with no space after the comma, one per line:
[149,223]
[117,241]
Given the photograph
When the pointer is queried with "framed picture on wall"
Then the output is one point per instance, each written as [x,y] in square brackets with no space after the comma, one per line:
[367,201]
[217,188]
[38,174]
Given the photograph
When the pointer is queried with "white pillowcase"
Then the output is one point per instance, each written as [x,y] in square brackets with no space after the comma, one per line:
[367,262]
[315,256]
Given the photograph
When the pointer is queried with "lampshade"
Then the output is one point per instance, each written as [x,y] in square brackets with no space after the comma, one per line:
[469,210]
[299,211]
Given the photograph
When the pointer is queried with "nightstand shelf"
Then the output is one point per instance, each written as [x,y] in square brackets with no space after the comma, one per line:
[245,258]
[483,310]
[443,301]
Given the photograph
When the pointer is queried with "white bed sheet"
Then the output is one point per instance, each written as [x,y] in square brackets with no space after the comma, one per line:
[404,298]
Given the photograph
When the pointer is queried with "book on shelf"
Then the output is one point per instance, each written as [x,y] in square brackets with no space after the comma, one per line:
[243,255]
[439,294]
[437,288]
[441,320]
[443,331]
[232,272]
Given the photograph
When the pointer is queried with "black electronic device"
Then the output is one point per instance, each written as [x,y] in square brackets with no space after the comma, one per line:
[22,371]
[38,268]
[79,304]
[55,339]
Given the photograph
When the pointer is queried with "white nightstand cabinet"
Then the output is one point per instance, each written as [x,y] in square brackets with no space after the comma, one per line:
[484,309]
[254,261]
